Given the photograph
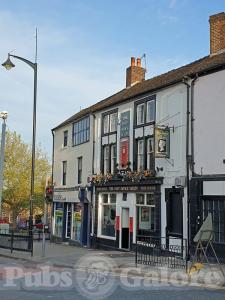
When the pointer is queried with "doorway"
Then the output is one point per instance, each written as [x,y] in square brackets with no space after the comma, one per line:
[68,220]
[125,233]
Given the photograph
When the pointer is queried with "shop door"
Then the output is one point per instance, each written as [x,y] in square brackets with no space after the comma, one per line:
[174,213]
[68,220]
[125,228]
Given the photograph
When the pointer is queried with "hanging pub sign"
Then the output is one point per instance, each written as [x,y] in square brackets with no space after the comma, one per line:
[162,142]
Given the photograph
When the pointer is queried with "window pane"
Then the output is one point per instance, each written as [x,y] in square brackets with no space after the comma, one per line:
[140,114]
[105,198]
[106,124]
[140,155]
[151,111]
[145,219]
[108,220]
[150,199]
[113,122]
[140,199]
[112,198]
[150,154]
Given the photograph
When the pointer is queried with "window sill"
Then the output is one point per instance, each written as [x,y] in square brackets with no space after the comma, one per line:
[107,237]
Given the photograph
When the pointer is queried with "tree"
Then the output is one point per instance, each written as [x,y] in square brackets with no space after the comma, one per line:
[17,176]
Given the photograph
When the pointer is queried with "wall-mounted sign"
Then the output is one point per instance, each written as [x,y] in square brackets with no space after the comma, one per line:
[125,124]
[162,142]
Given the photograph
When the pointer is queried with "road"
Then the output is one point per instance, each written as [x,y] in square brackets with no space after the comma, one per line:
[77,284]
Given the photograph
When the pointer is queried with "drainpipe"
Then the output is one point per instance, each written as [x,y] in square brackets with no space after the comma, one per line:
[185,79]
[53,158]
[192,125]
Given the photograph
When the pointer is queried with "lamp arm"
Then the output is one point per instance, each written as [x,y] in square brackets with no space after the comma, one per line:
[30,63]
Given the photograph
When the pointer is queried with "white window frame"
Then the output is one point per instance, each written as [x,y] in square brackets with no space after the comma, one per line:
[113,149]
[146,205]
[150,152]
[138,110]
[140,155]
[148,119]
[113,117]
[106,150]
[106,124]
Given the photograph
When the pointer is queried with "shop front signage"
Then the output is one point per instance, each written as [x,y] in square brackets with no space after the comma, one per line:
[131,188]
[162,142]
[59,198]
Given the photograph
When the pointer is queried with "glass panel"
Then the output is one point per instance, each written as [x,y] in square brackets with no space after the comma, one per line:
[112,198]
[76,223]
[113,122]
[106,124]
[151,111]
[58,223]
[140,155]
[145,219]
[140,199]
[150,199]
[105,198]
[106,159]
[140,113]
[108,220]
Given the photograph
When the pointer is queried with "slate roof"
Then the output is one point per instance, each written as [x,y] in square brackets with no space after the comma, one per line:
[201,66]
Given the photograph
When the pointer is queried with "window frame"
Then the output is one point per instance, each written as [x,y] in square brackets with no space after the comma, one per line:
[81,128]
[65,138]
[64,172]
[144,102]
[108,204]
[148,206]
[110,158]
[108,116]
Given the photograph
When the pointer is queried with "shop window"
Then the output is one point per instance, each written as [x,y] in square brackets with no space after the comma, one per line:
[76,223]
[108,215]
[58,216]
[146,219]
[64,171]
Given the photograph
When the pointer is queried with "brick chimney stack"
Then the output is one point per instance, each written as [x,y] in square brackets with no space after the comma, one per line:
[135,73]
[217,33]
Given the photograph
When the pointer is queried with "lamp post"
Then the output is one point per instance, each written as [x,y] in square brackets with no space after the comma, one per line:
[9,65]
[3,116]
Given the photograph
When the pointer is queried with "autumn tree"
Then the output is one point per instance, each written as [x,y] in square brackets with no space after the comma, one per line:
[17,176]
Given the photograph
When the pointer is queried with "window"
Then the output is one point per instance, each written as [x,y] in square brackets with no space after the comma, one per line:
[140,161]
[79,176]
[146,219]
[65,138]
[113,158]
[58,219]
[140,114]
[64,170]
[108,216]
[150,153]
[106,159]
[109,159]
[81,131]
[110,123]
[145,111]
[150,111]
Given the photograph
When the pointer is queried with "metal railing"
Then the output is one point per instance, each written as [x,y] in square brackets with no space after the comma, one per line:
[161,251]
[19,241]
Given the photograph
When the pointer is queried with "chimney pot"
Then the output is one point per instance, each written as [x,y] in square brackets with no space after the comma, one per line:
[139,62]
[132,61]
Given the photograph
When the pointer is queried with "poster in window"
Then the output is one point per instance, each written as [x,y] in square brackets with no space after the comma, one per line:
[144,214]
[162,142]
[124,152]
[125,124]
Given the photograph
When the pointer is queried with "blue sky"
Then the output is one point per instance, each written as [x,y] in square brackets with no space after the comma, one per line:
[84,47]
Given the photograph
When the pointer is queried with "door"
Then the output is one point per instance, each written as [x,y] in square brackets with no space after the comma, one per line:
[125,233]
[174,212]
[68,220]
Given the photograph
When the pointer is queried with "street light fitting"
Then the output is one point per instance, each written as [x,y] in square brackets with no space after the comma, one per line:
[4,115]
[8,63]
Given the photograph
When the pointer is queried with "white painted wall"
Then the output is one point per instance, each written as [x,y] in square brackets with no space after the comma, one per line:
[209,128]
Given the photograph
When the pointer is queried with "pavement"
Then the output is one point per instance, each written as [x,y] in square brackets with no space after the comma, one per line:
[62,256]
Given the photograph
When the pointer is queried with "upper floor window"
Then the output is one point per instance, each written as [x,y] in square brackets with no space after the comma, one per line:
[145,112]
[140,160]
[79,175]
[150,153]
[81,131]
[64,171]
[65,138]
[110,123]
[109,159]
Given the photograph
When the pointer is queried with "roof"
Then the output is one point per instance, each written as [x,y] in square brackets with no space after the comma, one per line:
[201,66]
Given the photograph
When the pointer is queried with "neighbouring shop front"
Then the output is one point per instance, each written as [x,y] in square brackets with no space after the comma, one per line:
[125,211]
[208,196]
[69,219]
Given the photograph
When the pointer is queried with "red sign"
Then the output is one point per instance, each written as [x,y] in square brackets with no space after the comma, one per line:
[124,152]
[117,224]
[131,224]
[4,220]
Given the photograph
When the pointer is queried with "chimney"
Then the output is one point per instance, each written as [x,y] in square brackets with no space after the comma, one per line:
[135,73]
[217,33]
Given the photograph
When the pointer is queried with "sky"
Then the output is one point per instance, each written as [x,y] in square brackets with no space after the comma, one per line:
[84,48]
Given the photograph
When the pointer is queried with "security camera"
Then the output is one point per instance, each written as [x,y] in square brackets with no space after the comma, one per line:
[4,115]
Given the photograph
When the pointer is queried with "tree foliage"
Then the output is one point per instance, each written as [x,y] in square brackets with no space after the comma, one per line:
[17,176]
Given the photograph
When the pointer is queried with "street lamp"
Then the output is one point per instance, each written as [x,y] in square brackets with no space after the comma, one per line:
[3,116]
[9,65]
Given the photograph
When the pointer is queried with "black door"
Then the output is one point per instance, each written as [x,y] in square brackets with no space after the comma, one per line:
[174,212]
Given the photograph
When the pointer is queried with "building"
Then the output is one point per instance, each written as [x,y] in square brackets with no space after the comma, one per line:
[148,152]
